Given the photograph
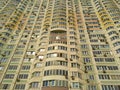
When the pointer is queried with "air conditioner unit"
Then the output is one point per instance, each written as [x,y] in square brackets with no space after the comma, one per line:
[3,55]
[87,80]
[73,77]
[17,80]
[71,59]
[41,59]
[104,71]
[105,55]
[66,76]
[84,63]
[86,71]
[66,58]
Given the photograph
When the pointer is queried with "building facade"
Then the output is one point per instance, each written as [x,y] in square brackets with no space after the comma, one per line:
[60,45]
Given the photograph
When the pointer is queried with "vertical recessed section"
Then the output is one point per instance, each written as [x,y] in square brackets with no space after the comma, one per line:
[58,36]
[56,65]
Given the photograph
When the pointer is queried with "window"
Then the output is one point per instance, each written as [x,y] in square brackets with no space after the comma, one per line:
[104,59]
[73,50]
[1,44]
[84,46]
[75,65]
[20,46]
[88,67]
[9,76]
[76,74]
[1,68]
[14,60]
[55,72]
[52,83]
[116,44]
[118,51]
[23,76]
[74,57]
[99,59]
[91,77]
[104,77]
[51,55]
[12,41]
[110,87]
[72,38]
[73,43]
[30,53]
[19,52]
[10,46]
[85,53]
[25,67]
[56,63]
[55,83]
[34,85]
[7,52]
[92,87]
[76,85]
[62,48]
[81,31]
[112,67]
[49,83]
[114,38]
[12,67]
[37,65]
[41,57]
[109,60]
[5,86]
[97,52]
[20,86]
[101,67]
[28,59]
[3,60]
[115,77]
[86,60]
[83,40]
[36,74]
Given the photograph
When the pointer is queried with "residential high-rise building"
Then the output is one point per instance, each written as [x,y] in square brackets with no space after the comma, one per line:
[59,44]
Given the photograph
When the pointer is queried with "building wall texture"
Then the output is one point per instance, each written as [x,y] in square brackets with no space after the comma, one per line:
[60,45]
